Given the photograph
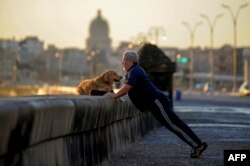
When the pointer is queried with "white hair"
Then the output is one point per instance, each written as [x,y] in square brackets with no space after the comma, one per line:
[131,55]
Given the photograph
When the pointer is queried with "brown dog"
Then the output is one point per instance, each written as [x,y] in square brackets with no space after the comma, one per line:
[104,82]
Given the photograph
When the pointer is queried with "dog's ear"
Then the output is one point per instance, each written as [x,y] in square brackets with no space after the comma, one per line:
[106,76]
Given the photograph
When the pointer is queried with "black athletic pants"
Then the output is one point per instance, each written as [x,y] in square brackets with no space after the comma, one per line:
[162,110]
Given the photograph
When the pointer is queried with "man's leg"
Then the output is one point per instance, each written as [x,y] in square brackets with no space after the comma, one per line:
[165,114]
[160,114]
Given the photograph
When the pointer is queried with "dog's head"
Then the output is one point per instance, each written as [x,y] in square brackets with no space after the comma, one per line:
[111,76]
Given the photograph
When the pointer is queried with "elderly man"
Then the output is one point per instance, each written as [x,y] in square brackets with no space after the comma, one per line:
[145,96]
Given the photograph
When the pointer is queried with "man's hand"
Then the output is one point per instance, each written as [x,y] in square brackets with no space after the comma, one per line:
[123,91]
[109,95]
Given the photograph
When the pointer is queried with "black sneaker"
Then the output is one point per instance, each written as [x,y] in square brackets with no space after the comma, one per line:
[197,151]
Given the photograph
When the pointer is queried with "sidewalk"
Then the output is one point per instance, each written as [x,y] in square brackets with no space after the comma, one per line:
[214,93]
[221,129]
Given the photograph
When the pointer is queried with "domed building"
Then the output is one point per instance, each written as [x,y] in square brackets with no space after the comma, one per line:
[98,45]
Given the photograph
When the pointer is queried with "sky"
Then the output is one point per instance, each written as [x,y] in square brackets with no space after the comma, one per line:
[65,23]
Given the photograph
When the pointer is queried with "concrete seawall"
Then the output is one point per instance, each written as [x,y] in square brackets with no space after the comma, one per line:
[67,130]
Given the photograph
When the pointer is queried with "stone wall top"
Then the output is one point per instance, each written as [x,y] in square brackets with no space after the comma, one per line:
[27,121]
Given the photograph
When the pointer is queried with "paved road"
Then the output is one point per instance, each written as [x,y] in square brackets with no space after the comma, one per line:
[223,123]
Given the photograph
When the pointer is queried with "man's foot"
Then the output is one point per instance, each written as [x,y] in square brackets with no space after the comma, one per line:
[197,151]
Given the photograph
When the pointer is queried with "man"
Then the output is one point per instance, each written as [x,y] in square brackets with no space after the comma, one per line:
[145,96]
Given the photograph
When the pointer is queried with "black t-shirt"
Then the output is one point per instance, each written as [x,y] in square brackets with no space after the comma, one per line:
[143,91]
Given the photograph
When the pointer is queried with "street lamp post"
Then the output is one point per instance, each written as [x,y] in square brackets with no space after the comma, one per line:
[235,17]
[92,62]
[156,32]
[211,29]
[59,55]
[191,58]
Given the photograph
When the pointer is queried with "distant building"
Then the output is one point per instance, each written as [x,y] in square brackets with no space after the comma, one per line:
[98,44]
[33,45]
[31,60]
[246,59]
[223,60]
[9,51]
[74,62]
[65,65]
[201,60]
[52,63]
